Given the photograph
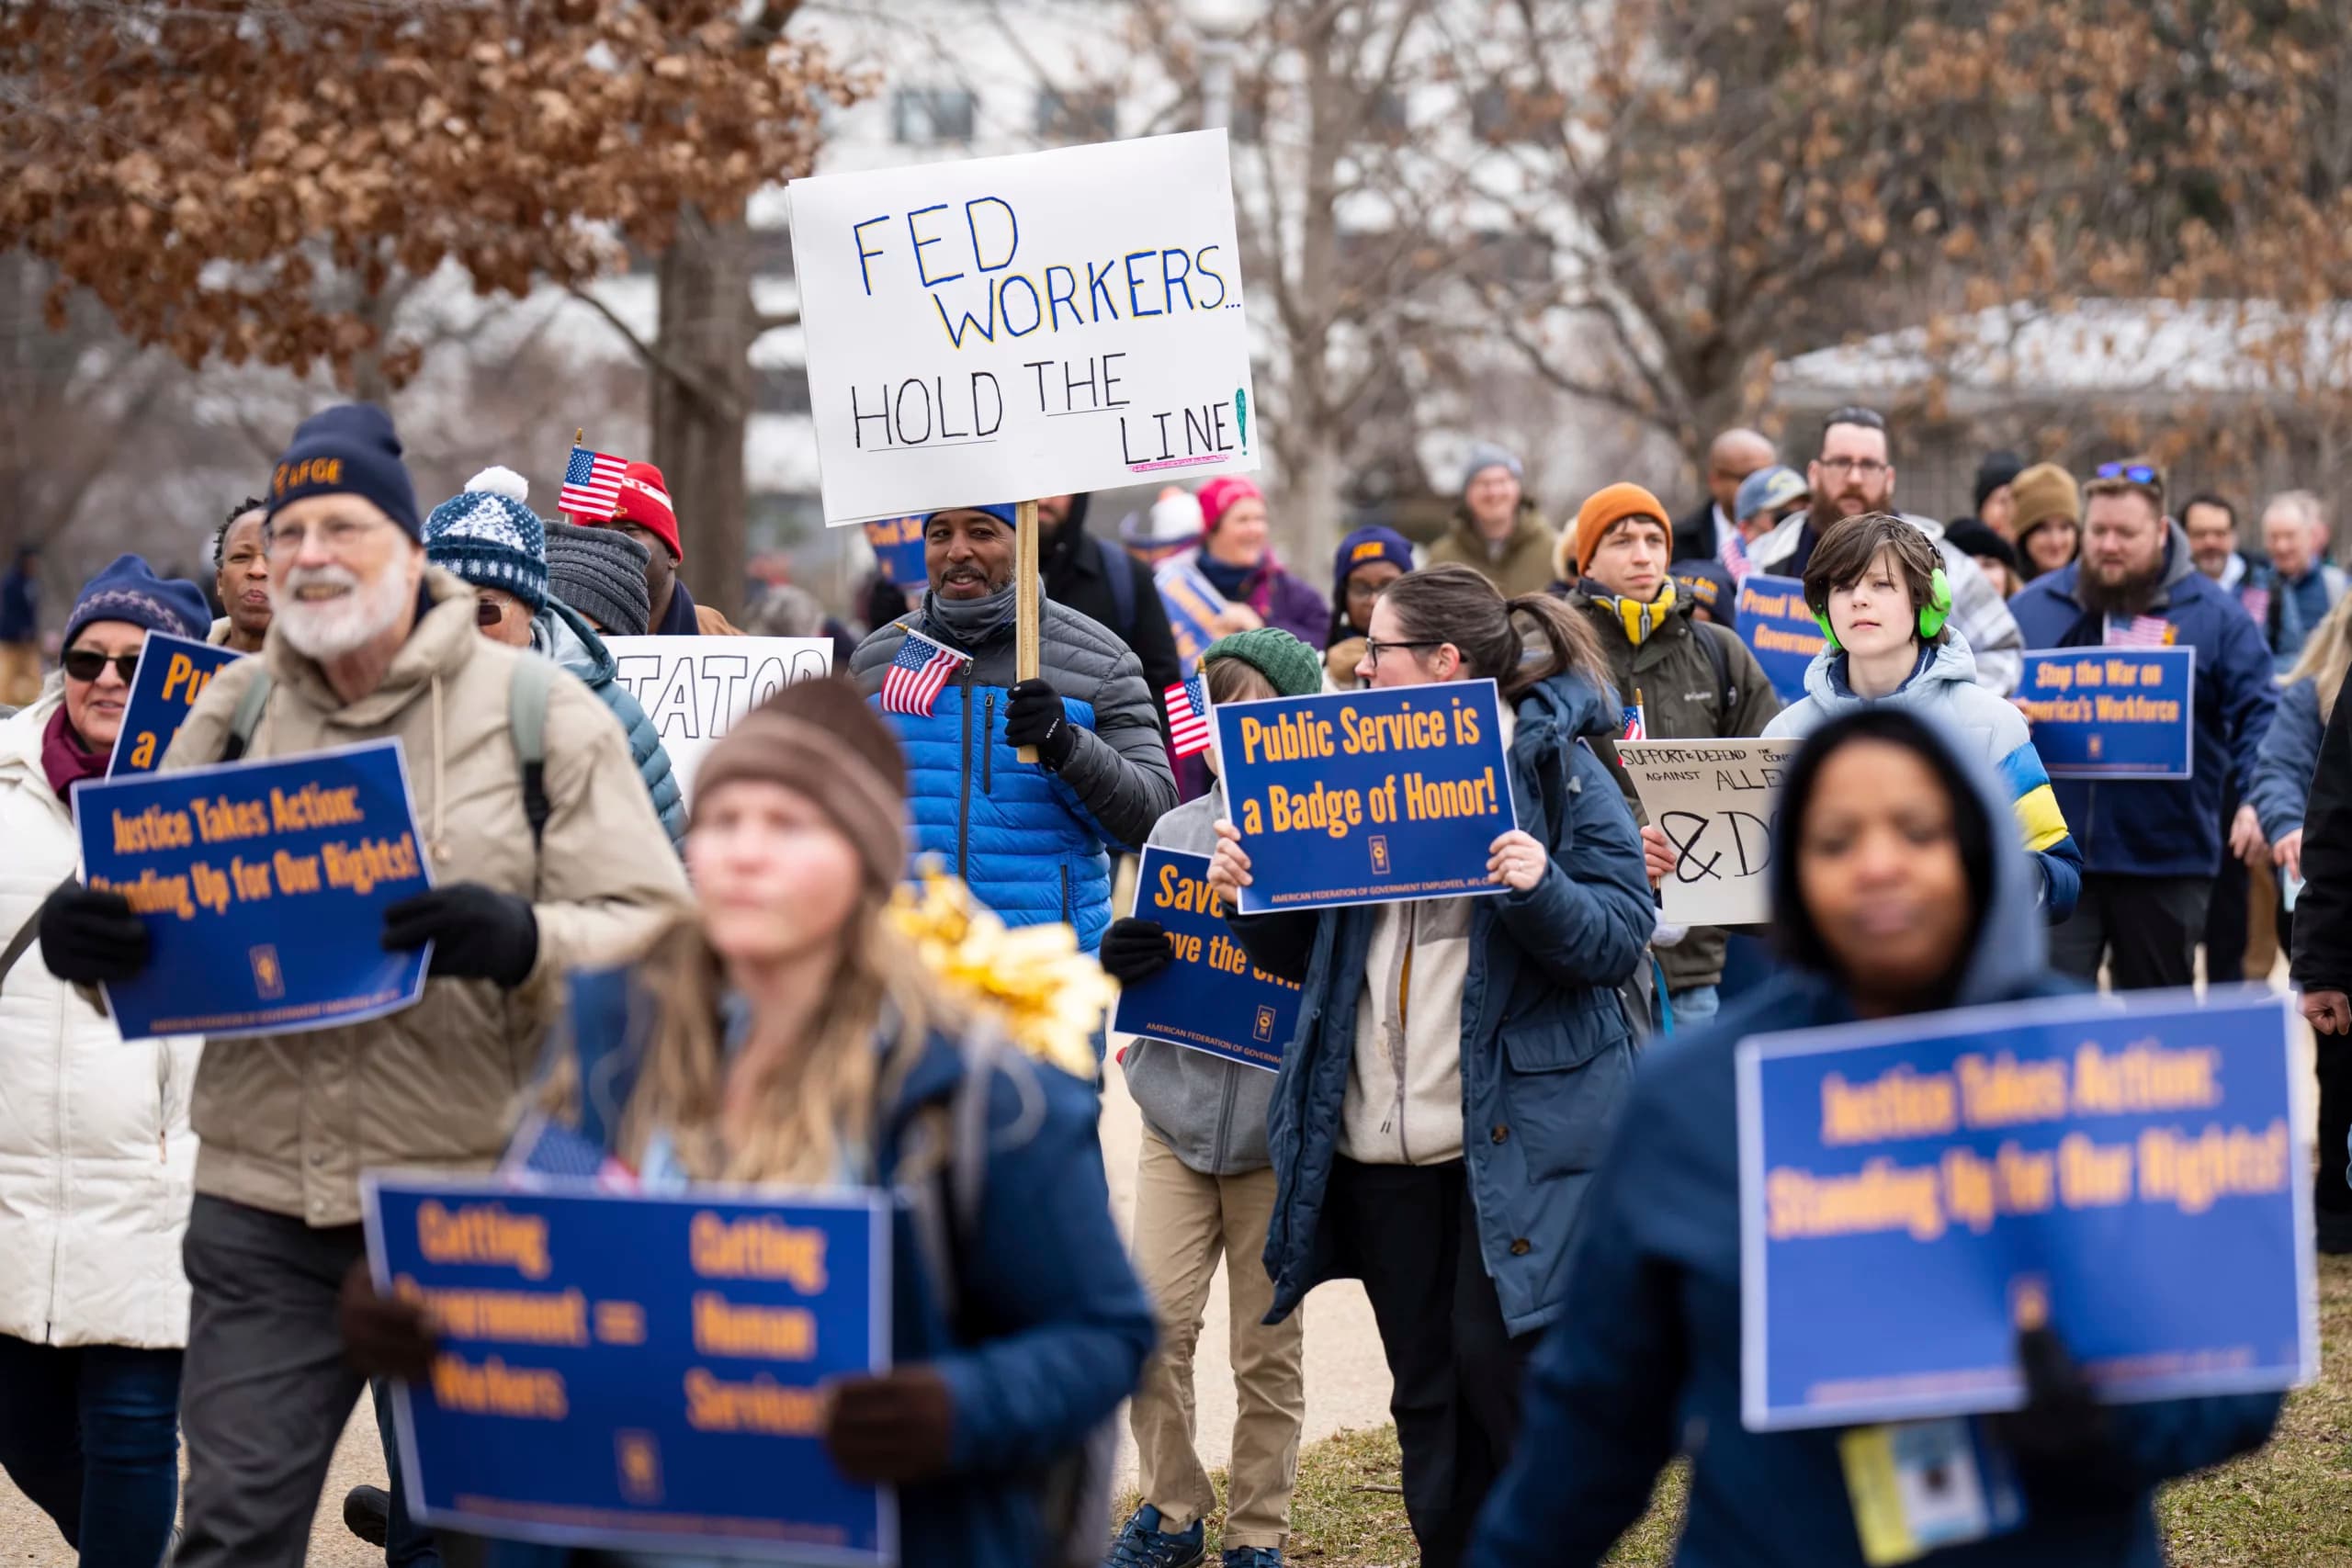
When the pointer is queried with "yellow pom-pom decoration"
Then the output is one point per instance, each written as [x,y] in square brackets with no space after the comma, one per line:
[1050,997]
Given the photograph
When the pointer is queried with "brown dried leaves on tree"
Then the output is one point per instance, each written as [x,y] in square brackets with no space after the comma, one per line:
[204,168]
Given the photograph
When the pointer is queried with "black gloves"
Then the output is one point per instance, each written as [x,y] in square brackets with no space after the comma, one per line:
[477,933]
[1135,950]
[1035,718]
[895,1428]
[383,1336]
[2063,1434]
[88,939]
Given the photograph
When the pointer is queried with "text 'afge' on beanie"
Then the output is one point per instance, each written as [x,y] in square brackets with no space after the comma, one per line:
[601,573]
[488,536]
[350,449]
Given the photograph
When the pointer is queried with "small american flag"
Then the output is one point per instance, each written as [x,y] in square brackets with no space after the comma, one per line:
[1188,717]
[2140,631]
[919,674]
[592,483]
[545,1147]
[1632,726]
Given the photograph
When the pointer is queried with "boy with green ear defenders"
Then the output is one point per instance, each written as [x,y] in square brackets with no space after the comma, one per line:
[1877,586]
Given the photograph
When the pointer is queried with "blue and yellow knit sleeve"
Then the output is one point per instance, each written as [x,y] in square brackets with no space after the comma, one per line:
[2044,828]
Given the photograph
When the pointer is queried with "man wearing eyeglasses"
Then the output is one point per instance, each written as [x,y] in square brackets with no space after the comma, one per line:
[2152,846]
[366,642]
[1855,474]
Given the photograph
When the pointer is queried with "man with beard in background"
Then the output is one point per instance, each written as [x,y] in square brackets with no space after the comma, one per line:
[2151,847]
[1854,474]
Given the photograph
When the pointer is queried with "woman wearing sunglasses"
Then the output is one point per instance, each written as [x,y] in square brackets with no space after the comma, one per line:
[96,1161]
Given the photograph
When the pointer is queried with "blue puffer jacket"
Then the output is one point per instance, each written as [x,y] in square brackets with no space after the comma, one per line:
[1646,1358]
[1052,1328]
[1031,844]
[2289,756]
[558,632]
[2153,826]
[1546,1054]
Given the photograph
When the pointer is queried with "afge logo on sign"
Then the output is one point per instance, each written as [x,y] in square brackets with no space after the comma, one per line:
[269,979]
[1265,1030]
[1379,855]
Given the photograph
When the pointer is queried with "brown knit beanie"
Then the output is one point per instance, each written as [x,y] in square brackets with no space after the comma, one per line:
[2044,492]
[818,738]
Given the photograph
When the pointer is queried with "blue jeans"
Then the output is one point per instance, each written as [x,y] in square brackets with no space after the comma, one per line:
[407,1544]
[91,1433]
[1694,1007]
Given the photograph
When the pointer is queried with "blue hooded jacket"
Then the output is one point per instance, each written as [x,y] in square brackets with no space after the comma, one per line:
[1546,1052]
[560,633]
[2289,759]
[1944,684]
[2161,826]
[1032,843]
[1646,1357]
[1052,1328]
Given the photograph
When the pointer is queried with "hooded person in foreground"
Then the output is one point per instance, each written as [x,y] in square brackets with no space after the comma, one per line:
[1895,893]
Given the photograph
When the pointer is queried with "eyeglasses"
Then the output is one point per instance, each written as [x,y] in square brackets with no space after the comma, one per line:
[1373,648]
[487,612]
[86,664]
[337,534]
[1861,467]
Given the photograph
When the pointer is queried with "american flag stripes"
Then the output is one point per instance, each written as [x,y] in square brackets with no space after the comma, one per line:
[2140,631]
[592,484]
[1632,718]
[1188,717]
[919,674]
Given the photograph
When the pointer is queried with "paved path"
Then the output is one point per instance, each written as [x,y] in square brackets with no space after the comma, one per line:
[1346,1385]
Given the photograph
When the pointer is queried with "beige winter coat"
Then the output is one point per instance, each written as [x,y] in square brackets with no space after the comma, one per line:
[288,1124]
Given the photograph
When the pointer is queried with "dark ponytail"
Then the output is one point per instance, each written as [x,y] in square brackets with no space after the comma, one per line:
[1454,603]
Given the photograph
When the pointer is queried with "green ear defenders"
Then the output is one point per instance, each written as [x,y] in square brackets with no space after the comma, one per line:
[1932,614]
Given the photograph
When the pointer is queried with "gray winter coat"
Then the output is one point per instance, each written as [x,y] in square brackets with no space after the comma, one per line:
[1210,1113]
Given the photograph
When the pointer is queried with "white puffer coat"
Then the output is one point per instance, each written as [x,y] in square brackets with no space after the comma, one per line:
[96,1162]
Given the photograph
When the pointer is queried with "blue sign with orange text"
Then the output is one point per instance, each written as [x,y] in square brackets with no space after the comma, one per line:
[1210,998]
[1366,797]
[2127,713]
[897,552]
[1779,627]
[263,886]
[638,1371]
[172,674]
[1914,1192]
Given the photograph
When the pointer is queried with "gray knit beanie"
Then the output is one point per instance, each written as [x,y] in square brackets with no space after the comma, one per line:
[601,573]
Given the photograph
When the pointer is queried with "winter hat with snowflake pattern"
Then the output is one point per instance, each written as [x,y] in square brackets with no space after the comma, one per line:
[487,536]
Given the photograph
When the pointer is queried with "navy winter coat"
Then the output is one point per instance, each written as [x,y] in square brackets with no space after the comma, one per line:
[1030,842]
[2163,827]
[559,632]
[1053,1327]
[1546,1054]
[1646,1359]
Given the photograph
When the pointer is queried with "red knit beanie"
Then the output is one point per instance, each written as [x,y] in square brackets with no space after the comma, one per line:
[645,501]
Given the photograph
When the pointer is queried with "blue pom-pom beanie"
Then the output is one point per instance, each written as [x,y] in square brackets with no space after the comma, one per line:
[487,536]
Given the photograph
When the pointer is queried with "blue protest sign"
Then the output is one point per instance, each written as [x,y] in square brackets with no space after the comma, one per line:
[1193,606]
[633,1371]
[1779,628]
[1366,797]
[263,886]
[171,671]
[897,551]
[1212,998]
[1913,1192]
[2115,713]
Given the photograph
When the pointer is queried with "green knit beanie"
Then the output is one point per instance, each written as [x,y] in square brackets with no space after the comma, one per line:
[1292,668]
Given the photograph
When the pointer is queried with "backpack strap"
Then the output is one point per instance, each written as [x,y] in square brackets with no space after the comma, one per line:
[27,933]
[526,724]
[247,719]
[1120,568]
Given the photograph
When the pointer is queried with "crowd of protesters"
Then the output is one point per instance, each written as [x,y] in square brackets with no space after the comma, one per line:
[1542,1212]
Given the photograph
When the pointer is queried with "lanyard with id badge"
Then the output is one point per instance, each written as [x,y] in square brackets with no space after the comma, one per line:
[1918,1486]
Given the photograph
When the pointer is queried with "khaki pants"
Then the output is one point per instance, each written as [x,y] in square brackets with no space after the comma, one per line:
[2261,922]
[1184,1221]
[19,674]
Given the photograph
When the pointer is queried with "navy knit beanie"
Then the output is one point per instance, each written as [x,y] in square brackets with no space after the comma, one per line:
[488,535]
[129,591]
[350,449]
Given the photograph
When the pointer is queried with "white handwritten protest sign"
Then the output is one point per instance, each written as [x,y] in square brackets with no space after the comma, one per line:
[695,688]
[1715,801]
[1002,329]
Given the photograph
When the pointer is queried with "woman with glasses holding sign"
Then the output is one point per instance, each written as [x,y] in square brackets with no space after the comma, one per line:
[1461,1060]
[1895,892]
[96,1161]
[794,1031]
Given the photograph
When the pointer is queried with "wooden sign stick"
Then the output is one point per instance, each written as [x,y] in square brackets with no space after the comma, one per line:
[1026,607]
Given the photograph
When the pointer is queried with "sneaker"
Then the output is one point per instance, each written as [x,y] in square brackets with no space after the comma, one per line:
[1141,1543]
[1254,1557]
[368,1514]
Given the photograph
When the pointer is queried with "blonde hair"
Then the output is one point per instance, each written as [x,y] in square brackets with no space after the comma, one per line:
[814,1103]
[2327,654]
